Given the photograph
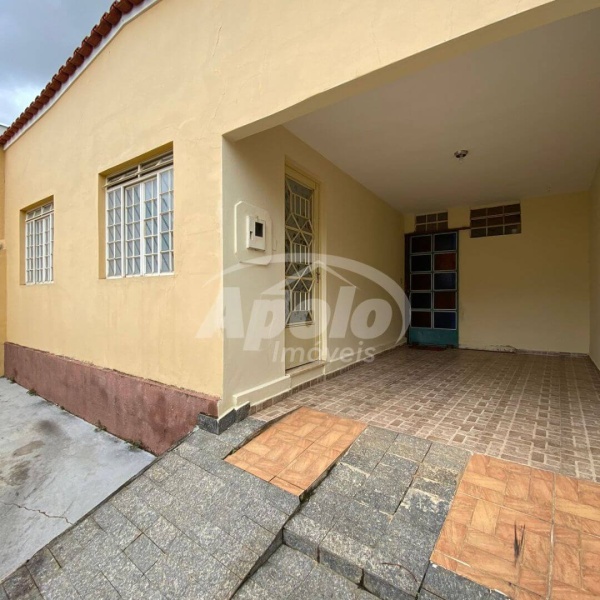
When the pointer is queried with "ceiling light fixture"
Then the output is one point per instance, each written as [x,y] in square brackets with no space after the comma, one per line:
[461,154]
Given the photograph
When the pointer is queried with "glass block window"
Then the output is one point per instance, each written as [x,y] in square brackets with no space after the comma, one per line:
[432,222]
[496,220]
[139,220]
[39,245]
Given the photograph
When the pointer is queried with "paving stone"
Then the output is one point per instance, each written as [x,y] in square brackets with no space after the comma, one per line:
[404,467]
[377,436]
[59,588]
[213,578]
[325,506]
[168,578]
[411,447]
[386,487]
[102,548]
[344,555]
[122,574]
[249,533]
[269,578]
[400,560]
[252,591]
[447,457]
[292,563]
[210,444]
[423,510]
[90,582]
[162,533]
[439,474]
[86,532]
[305,535]
[158,473]
[235,556]
[242,432]
[442,490]
[65,548]
[3,595]
[266,515]
[43,567]
[143,553]
[344,479]
[136,510]
[211,464]
[144,590]
[445,584]
[324,583]
[361,522]
[365,458]
[20,585]
[116,525]
[383,589]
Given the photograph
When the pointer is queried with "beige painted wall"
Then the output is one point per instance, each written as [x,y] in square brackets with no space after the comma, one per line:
[528,291]
[352,223]
[186,72]
[595,271]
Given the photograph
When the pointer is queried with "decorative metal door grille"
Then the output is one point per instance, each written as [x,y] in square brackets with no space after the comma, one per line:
[299,242]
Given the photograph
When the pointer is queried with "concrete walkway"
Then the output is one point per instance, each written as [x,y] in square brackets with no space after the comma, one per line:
[54,468]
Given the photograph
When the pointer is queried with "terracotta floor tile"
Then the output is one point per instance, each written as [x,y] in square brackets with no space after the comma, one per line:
[462,508]
[290,453]
[569,537]
[522,594]
[485,517]
[287,486]
[566,487]
[517,486]
[451,537]
[562,591]
[488,543]
[533,581]
[489,563]
[566,566]
[536,553]
[485,579]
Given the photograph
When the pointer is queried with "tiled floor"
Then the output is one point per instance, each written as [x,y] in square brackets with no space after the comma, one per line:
[537,410]
[294,452]
[526,532]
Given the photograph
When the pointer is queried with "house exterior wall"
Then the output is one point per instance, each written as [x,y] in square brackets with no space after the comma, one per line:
[181,75]
[529,291]
[353,225]
[595,270]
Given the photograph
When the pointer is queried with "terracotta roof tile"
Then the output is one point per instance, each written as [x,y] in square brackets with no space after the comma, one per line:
[99,32]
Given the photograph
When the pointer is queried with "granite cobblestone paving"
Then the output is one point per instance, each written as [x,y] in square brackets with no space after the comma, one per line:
[193,527]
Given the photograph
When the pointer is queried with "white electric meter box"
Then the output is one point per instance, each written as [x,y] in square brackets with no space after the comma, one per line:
[256,233]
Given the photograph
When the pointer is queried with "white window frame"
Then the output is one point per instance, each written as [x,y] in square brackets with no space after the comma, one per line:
[152,230]
[39,245]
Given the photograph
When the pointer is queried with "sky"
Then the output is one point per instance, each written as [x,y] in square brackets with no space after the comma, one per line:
[36,38]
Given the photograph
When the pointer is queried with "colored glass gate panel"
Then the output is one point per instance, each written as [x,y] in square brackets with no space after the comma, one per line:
[433,289]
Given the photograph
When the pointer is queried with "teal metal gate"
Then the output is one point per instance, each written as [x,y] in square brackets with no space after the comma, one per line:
[432,280]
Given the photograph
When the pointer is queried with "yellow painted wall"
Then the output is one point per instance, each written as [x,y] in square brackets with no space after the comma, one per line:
[529,291]
[186,72]
[595,271]
[353,224]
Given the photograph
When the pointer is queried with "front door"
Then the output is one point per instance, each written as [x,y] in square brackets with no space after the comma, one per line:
[432,271]
[301,276]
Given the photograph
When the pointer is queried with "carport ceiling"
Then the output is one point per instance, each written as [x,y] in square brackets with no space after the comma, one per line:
[527,109]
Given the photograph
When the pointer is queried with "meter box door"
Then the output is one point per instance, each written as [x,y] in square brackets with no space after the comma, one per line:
[256,233]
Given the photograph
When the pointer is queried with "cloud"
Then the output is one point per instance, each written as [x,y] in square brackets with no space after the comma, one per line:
[36,38]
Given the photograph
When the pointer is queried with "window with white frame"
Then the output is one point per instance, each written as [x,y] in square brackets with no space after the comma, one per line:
[39,244]
[139,220]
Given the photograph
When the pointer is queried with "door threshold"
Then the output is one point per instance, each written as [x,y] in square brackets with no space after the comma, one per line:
[303,368]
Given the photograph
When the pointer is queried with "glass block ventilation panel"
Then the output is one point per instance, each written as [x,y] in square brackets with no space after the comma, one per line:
[432,222]
[39,245]
[139,220]
[299,248]
[496,220]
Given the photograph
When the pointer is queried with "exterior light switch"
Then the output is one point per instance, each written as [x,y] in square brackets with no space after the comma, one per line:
[257,233]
